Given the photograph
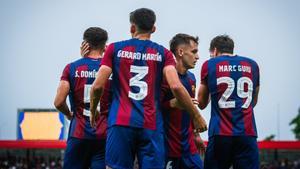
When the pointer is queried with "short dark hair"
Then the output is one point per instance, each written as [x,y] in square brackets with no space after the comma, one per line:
[180,39]
[223,43]
[143,18]
[96,37]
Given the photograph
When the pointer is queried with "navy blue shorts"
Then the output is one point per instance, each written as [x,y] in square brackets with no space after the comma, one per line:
[123,144]
[84,153]
[240,152]
[190,161]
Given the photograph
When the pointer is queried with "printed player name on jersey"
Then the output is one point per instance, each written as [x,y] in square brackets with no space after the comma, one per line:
[234,68]
[86,74]
[139,56]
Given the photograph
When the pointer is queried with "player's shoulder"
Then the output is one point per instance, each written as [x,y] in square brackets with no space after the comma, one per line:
[118,44]
[85,61]
[127,42]
[134,41]
[157,45]
[121,42]
[79,60]
[247,59]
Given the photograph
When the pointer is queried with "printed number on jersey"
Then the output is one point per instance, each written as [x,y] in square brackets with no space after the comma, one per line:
[86,99]
[241,91]
[141,72]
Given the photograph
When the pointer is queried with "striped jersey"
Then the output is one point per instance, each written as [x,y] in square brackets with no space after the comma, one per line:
[137,66]
[178,123]
[231,81]
[81,74]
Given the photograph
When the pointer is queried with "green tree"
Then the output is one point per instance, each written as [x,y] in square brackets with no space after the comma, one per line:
[296,122]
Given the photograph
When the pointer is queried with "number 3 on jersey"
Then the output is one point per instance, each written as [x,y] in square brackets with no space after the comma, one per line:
[136,80]
[241,92]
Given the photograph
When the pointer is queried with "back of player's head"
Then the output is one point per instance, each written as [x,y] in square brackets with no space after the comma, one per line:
[143,18]
[181,39]
[223,44]
[96,37]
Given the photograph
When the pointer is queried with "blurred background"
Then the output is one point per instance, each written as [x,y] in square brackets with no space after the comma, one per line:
[38,38]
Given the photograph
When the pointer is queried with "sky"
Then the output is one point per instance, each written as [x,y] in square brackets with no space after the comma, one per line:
[39,37]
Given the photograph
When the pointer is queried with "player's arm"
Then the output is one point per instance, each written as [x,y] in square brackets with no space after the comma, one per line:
[97,91]
[255,96]
[60,98]
[203,96]
[183,97]
[203,92]
[98,86]
[174,103]
[199,143]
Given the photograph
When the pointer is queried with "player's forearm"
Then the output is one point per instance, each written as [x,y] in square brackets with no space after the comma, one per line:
[95,95]
[184,99]
[63,107]
[173,103]
[203,97]
[203,102]
[255,96]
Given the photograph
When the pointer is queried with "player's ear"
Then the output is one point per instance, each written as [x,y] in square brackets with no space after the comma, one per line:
[153,29]
[132,29]
[180,52]
[214,52]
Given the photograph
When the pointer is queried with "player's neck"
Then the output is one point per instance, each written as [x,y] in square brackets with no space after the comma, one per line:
[142,36]
[95,54]
[225,54]
[180,68]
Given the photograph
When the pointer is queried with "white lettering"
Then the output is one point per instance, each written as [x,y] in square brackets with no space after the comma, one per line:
[234,68]
[139,56]
[86,74]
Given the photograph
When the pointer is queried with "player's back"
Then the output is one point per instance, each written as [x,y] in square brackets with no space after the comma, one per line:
[137,67]
[178,123]
[81,75]
[232,81]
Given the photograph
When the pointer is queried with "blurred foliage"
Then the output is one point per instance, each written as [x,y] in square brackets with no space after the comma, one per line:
[270,138]
[296,123]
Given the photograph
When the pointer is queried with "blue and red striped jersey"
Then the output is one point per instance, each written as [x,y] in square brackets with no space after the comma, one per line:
[231,81]
[137,67]
[178,123]
[81,74]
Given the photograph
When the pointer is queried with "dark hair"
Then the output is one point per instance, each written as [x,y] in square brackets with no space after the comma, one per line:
[96,37]
[143,18]
[223,43]
[180,39]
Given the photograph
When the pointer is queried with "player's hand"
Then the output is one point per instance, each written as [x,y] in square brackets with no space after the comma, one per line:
[84,48]
[195,101]
[69,116]
[94,117]
[200,144]
[199,124]
[175,104]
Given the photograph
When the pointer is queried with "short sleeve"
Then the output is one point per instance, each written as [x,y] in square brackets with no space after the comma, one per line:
[204,73]
[164,89]
[66,73]
[108,56]
[169,58]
